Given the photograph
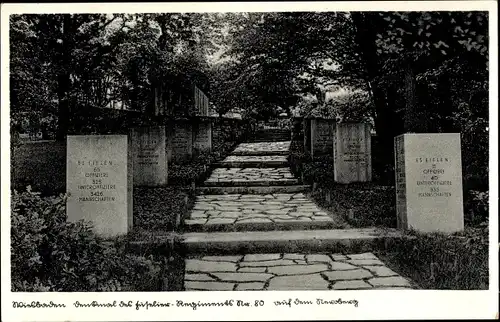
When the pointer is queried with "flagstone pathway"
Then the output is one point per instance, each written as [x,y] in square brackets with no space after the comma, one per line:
[290,271]
[254,190]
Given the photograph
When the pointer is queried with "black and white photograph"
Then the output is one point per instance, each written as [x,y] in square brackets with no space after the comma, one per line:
[246,151]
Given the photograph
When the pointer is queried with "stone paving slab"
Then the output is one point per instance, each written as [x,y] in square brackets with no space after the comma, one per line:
[256,212]
[251,177]
[220,190]
[253,161]
[261,148]
[250,174]
[289,271]
[254,153]
[255,158]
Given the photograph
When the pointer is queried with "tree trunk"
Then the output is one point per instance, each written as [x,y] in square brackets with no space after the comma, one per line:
[447,124]
[365,34]
[412,120]
[64,79]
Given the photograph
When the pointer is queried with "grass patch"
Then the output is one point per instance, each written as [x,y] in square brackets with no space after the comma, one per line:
[445,262]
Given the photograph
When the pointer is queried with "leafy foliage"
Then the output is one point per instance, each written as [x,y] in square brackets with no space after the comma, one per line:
[50,254]
[68,64]
[275,58]
[41,166]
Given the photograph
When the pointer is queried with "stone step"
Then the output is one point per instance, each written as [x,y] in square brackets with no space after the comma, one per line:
[263,140]
[272,130]
[258,224]
[295,241]
[259,153]
[271,135]
[250,176]
[252,189]
[254,161]
[251,164]
[262,148]
[250,183]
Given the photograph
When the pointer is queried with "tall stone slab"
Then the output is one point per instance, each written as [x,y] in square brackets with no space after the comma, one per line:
[99,175]
[169,130]
[202,136]
[322,135]
[149,155]
[429,194]
[181,141]
[352,153]
[306,126]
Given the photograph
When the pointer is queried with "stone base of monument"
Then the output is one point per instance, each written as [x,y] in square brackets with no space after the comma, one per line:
[429,182]
[99,172]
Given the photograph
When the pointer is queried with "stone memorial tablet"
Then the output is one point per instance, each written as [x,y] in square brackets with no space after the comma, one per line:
[182,141]
[352,153]
[429,182]
[149,154]
[203,136]
[99,182]
[322,135]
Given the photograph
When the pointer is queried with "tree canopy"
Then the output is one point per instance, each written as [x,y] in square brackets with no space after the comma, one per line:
[402,71]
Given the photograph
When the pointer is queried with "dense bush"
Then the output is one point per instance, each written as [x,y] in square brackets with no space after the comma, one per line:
[50,254]
[187,173]
[41,165]
[476,207]
[159,208]
[437,261]
[361,205]
[319,171]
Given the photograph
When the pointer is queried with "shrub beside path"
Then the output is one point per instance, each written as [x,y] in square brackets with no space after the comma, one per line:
[253,227]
